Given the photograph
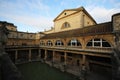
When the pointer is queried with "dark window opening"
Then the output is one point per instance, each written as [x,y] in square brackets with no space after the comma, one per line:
[106,44]
[69,54]
[65,13]
[96,43]
[59,43]
[89,44]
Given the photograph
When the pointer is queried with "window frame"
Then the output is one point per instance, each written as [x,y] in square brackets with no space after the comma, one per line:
[49,43]
[65,25]
[42,43]
[59,43]
[74,43]
[98,43]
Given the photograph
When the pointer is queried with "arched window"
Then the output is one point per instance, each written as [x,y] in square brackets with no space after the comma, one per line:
[49,43]
[42,43]
[98,43]
[65,25]
[74,42]
[59,43]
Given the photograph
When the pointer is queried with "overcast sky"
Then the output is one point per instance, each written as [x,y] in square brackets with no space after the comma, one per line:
[38,15]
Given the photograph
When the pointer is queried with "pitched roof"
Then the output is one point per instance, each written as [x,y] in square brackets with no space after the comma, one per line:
[102,28]
[76,9]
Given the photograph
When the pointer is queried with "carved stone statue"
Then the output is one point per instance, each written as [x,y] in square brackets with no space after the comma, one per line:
[8,70]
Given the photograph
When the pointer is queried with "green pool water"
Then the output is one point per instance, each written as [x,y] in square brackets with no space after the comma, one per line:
[42,71]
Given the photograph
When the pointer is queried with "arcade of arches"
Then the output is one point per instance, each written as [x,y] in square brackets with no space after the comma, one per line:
[92,51]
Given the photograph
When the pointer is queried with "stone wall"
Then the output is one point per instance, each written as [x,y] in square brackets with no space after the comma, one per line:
[116,29]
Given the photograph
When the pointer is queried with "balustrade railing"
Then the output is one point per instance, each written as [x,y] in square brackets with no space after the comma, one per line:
[92,49]
[23,46]
[103,49]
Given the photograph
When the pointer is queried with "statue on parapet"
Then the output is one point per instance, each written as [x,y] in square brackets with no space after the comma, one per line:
[8,70]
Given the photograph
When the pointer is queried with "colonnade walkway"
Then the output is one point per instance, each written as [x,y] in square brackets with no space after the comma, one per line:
[70,62]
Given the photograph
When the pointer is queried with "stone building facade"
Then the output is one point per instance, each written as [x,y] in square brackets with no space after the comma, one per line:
[116,27]
[9,26]
[72,19]
[18,38]
[76,40]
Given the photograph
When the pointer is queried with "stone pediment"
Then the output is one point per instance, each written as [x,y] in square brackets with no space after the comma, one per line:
[64,14]
[67,12]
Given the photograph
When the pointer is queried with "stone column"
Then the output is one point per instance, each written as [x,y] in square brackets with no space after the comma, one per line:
[87,64]
[53,56]
[16,56]
[83,70]
[81,62]
[45,55]
[84,59]
[53,59]
[39,55]
[65,58]
[29,54]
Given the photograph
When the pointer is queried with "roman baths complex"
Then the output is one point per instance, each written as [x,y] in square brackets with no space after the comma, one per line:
[75,42]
